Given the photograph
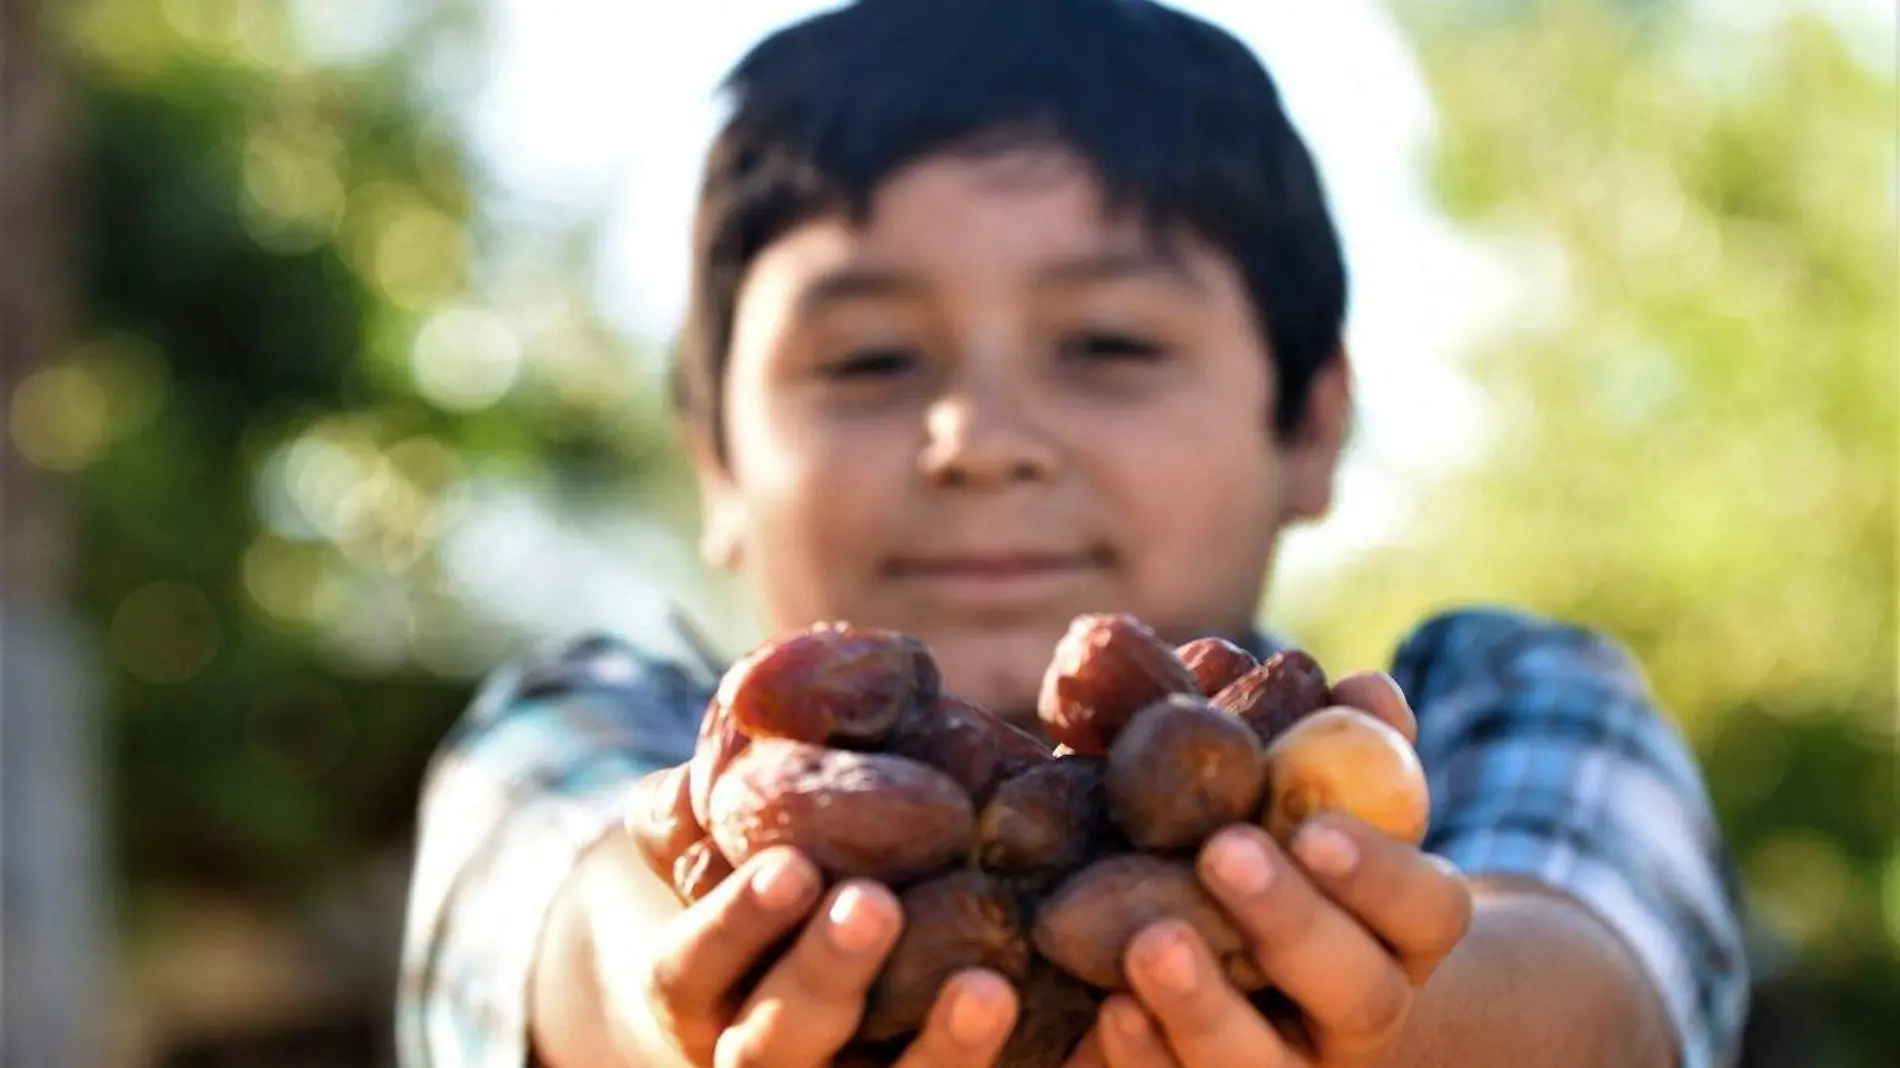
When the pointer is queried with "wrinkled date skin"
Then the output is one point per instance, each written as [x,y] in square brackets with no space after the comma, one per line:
[1215,662]
[1057,1012]
[967,742]
[1343,760]
[962,920]
[869,815]
[1086,925]
[699,870]
[830,684]
[1181,770]
[1046,822]
[1272,697]
[1105,669]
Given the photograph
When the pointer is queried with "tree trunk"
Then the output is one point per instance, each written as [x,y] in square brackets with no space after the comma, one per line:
[53,934]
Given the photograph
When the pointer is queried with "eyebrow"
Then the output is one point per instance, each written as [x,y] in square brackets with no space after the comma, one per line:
[861,283]
[855,283]
[1120,265]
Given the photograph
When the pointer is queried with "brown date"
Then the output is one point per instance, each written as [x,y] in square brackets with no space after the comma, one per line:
[1057,1012]
[1215,662]
[967,742]
[1272,697]
[1105,669]
[1180,770]
[1048,821]
[1086,925]
[719,741]
[962,920]
[872,815]
[699,870]
[1343,760]
[831,684]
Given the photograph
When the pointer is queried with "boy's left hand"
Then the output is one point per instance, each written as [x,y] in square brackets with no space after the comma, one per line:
[1347,927]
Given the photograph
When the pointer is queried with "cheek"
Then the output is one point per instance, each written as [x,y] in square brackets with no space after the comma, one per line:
[1198,510]
[819,506]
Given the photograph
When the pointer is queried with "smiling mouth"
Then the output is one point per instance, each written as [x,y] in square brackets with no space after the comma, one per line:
[998,567]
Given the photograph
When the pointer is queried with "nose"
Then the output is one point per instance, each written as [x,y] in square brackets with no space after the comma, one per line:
[984,439]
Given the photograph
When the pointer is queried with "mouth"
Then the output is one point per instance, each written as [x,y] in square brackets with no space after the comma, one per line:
[1000,567]
[999,583]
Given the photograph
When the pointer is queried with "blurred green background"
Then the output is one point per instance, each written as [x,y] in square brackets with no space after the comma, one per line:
[294,412]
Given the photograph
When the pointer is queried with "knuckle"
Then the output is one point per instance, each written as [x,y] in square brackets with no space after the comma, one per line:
[930,1049]
[1453,922]
[661,985]
[1210,1007]
[1382,1008]
[1288,912]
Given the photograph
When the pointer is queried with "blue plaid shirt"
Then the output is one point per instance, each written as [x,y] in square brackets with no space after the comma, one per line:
[1546,756]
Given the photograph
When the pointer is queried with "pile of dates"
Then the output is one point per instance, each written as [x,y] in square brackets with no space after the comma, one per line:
[1038,863]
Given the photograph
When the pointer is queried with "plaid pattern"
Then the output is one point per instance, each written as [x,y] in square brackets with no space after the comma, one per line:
[1546,758]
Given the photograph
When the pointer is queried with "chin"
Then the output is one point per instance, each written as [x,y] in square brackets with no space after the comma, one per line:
[1001,671]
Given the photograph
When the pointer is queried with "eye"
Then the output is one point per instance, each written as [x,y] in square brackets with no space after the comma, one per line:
[871,364]
[1112,347]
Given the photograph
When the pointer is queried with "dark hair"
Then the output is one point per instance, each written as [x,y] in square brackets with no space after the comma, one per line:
[1180,121]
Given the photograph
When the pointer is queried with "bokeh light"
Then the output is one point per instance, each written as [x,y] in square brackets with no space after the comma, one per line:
[294,583]
[410,250]
[60,418]
[294,196]
[466,359]
[1804,890]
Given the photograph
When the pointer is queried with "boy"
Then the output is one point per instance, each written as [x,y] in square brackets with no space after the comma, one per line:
[1005,311]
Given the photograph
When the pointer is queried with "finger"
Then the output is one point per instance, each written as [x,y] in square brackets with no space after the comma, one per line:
[699,871]
[808,1005]
[659,816]
[1089,1053]
[708,948]
[1418,904]
[968,1026]
[1129,1039]
[1207,1023]
[1376,693]
[1349,985]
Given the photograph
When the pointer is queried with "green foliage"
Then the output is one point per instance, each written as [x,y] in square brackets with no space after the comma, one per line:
[299,353]
[1694,444]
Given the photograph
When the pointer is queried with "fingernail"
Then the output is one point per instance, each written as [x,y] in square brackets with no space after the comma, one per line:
[1240,863]
[855,924]
[782,881]
[1169,961]
[976,1015]
[1325,851]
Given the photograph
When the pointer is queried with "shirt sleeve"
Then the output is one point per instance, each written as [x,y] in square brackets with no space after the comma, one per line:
[1548,758]
[535,772]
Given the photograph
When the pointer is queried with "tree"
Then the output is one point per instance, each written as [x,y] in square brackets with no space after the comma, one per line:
[303,350]
[1693,437]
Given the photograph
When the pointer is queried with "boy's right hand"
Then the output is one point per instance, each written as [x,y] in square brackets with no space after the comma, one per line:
[804,1009]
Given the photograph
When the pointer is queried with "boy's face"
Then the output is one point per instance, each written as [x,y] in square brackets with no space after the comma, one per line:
[993,407]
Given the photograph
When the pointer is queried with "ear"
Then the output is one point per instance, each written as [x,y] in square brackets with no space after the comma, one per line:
[721,508]
[1311,454]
